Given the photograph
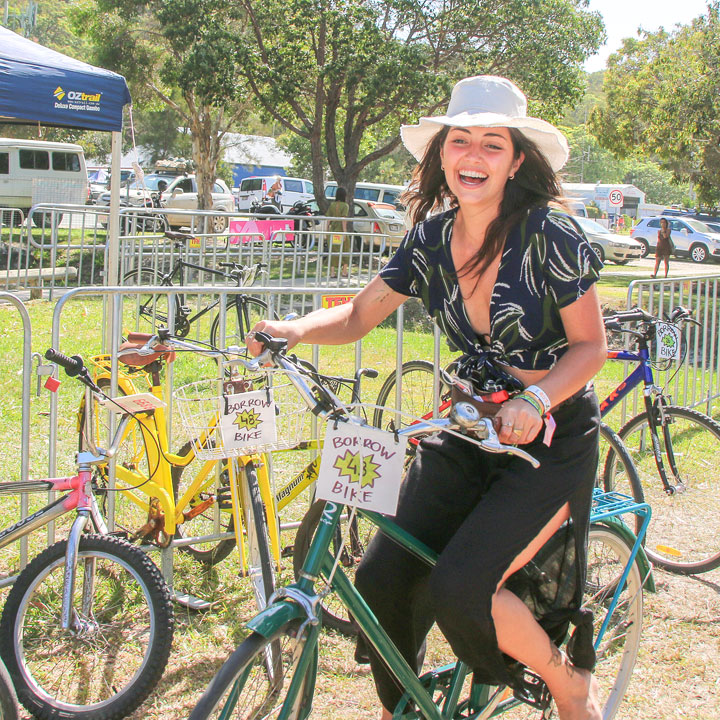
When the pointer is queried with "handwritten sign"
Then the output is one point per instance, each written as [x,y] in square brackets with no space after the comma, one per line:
[667,342]
[361,466]
[248,420]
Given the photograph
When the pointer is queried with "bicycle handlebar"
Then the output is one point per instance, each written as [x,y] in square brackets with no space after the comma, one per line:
[73,365]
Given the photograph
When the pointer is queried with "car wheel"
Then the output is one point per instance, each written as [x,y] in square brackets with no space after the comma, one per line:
[698,253]
[598,251]
[645,247]
[219,223]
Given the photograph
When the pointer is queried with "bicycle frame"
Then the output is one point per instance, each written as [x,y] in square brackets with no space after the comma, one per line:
[153,426]
[298,601]
[643,374]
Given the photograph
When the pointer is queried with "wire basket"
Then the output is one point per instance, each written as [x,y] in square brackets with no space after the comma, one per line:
[203,403]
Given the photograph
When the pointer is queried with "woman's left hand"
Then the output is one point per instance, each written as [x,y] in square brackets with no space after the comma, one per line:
[517,422]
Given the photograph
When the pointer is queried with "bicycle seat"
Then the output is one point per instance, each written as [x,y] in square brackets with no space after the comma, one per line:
[137,341]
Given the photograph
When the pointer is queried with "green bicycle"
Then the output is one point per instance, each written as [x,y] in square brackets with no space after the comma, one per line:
[273,672]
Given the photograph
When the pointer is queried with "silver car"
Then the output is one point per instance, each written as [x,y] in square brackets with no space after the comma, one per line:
[608,245]
[692,238]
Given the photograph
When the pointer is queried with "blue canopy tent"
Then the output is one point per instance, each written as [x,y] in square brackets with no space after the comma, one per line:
[40,85]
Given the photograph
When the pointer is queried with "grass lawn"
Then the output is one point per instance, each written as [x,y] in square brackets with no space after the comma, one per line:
[679,663]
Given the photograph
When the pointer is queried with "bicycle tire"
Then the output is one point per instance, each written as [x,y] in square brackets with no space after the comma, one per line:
[128,631]
[241,316]
[9,709]
[608,554]
[677,537]
[203,524]
[334,613]
[417,393]
[261,568]
[619,473]
[153,308]
[258,674]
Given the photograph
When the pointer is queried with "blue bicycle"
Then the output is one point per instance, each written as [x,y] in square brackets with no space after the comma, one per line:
[675,450]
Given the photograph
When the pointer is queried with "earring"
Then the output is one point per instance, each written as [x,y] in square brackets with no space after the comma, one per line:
[511,177]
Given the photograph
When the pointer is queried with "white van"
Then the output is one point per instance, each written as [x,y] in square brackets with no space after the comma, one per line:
[33,171]
[373,192]
[256,188]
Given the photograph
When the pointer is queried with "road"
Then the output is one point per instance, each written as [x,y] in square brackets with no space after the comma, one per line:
[678,268]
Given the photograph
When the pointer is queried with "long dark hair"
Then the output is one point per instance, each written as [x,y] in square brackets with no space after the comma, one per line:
[534,185]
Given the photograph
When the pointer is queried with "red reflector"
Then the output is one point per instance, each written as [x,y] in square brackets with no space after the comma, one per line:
[376,228]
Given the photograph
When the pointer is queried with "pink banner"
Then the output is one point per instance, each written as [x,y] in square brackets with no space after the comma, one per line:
[248,230]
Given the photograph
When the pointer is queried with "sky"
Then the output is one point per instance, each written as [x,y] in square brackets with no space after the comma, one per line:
[623,17]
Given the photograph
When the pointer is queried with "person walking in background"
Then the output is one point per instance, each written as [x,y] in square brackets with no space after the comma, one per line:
[339,244]
[665,246]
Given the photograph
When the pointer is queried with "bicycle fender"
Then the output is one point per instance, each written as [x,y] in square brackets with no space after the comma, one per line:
[268,620]
[644,565]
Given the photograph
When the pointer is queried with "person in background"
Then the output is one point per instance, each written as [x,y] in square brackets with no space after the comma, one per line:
[340,244]
[664,247]
[513,288]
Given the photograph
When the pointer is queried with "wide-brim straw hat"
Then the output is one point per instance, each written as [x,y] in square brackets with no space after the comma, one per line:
[489,101]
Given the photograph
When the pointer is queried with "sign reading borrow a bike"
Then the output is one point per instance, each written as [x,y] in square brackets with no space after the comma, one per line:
[361,466]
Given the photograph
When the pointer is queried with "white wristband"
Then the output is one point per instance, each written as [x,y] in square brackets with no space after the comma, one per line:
[541,395]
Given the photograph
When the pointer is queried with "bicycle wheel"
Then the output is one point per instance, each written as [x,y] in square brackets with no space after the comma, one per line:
[203,523]
[109,662]
[416,381]
[618,472]
[241,316]
[9,709]
[678,538]
[260,566]
[253,681]
[153,308]
[351,544]
[608,555]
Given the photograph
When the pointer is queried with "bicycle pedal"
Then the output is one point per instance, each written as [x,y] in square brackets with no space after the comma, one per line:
[287,551]
[224,498]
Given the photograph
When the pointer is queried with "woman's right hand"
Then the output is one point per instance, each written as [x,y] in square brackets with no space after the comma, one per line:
[275,328]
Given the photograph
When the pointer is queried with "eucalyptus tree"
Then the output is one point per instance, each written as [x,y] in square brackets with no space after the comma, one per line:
[181,54]
[662,101]
[342,75]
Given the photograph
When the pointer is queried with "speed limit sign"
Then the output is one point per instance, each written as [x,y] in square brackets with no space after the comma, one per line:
[615,197]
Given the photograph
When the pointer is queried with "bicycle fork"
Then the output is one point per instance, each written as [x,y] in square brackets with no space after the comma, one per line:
[656,418]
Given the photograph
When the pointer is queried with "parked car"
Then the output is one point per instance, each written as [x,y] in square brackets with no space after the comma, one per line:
[608,245]
[181,193]
[691,238]
[377,223]
[372,192]
[255,189]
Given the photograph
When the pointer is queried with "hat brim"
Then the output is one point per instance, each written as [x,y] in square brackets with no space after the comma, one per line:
[548,139]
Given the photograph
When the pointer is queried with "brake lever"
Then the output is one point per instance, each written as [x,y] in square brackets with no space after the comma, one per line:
[492,444]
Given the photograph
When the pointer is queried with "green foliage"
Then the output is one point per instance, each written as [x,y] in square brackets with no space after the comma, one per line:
[662,101]
[343,75]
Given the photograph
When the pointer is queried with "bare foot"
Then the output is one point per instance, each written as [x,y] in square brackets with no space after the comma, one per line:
[582,702]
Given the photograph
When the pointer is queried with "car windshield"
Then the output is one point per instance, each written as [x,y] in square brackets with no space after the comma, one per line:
[591,226]
[698,226]
[150,182]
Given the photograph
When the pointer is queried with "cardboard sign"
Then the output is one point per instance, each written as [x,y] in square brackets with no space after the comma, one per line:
[248,420]
[361,466]
[139,402]
[667,342]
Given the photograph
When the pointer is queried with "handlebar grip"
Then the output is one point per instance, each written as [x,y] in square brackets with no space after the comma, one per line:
[73,365]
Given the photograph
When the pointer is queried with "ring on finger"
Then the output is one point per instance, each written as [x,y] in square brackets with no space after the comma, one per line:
[507,424]
[518,431]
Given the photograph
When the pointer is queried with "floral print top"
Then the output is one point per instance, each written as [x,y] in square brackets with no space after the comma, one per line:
[545,266]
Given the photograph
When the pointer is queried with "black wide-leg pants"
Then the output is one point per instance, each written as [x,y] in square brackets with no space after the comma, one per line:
[479,511]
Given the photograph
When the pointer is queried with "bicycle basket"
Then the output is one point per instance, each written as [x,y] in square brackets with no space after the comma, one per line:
[223,425]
